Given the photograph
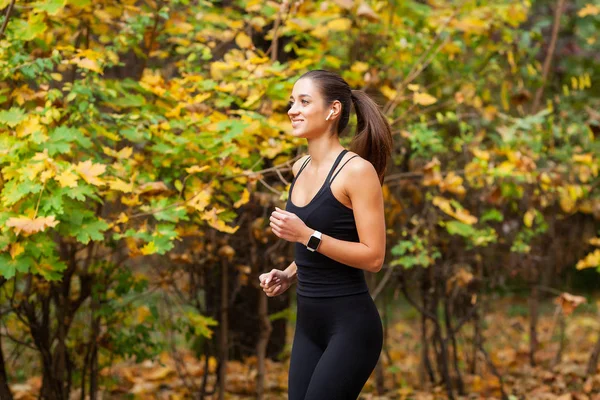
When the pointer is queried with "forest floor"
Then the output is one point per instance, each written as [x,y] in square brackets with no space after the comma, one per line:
[506,329]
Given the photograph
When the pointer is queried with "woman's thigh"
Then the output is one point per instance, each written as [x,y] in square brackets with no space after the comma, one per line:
[306,353]
[351,354]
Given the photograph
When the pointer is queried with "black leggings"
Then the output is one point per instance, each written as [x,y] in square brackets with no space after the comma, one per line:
[336,347]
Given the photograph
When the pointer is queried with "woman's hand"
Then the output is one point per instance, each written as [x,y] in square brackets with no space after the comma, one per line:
[275,282]
[289,226]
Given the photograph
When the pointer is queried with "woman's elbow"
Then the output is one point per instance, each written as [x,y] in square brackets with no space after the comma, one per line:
[376,265]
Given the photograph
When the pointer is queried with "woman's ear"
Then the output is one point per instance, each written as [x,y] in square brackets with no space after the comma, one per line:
[336,107]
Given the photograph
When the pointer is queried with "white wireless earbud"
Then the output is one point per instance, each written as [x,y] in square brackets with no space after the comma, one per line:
[329,116]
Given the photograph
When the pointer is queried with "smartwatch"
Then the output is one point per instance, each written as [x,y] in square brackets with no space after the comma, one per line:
[314,241]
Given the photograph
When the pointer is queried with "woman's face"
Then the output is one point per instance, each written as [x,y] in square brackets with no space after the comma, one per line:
[307,110]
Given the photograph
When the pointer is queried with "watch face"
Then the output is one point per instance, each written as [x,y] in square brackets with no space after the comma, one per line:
[313,242]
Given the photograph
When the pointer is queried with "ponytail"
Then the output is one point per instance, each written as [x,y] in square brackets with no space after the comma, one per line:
[373,138]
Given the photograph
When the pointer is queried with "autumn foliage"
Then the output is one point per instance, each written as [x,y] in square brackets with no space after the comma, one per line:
[142,144]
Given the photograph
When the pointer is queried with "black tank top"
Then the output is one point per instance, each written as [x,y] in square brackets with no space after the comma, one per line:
[319,275]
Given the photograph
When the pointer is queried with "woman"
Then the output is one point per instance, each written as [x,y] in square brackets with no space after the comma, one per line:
[338,228]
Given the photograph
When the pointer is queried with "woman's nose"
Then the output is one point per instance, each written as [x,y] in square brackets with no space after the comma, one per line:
[292,111]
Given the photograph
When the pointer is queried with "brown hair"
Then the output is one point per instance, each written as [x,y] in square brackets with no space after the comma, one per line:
[373,138]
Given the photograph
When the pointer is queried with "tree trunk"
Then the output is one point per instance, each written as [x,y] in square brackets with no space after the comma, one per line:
[593,361]
[533,319]
[223,329]
[5,392]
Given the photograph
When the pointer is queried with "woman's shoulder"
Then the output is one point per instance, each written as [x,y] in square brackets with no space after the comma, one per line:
[298,164]
[358,172]
[355,164]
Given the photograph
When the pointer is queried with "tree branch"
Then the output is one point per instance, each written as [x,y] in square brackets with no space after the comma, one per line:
[546,69]
[6,17]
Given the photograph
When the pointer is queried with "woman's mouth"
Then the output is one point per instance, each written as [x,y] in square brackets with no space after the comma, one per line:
[296,122]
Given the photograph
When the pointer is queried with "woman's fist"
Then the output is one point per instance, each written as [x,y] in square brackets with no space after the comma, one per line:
[274,283]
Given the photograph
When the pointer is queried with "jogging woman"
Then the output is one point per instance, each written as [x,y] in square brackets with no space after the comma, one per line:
[334,215]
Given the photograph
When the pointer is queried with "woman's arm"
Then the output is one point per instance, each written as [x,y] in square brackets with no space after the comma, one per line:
[292,272]
[365,193]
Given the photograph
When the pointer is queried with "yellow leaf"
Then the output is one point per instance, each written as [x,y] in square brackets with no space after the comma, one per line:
[201,200]
[528,218]
[196,168]
[47,174]
[134,200]
[587,158]
[388,92]
[125,153]
[159,374]
[123,218]
[90,172]
[594,241]
[56,76]
[359,67]
[481,154]
[87,63]
[215,222]
[29,126]
[31,225]
[16,249]
[592,260]
[472,25]
[339,24]
[453,184]
[465,217]
[142,313]
[413,87]
[589,9]
[149,248]
[431,173]
[219,69]
[462,215]
[67,179]
[121,186]
[245,198]
[424,99]
[243,41]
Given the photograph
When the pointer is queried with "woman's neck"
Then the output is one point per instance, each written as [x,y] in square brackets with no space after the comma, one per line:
[324,150]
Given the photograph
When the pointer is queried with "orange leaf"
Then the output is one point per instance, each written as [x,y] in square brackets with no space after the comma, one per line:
[28,225]
[569,302]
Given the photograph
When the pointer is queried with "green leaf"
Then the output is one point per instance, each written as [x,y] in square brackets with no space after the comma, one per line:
[129,101]
[80,3]
[80,192]
[52,204]
[12,117]
[69,135]
[492,215]
[459,228]
[29,30]
[8,266]
[15,191]
[91,230]
[58,148]
[201,324]
[52,7]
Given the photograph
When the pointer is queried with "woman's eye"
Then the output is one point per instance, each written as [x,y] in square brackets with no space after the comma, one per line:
[304,102]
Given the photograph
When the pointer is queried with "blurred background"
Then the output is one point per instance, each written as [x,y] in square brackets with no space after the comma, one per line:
[144,144]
